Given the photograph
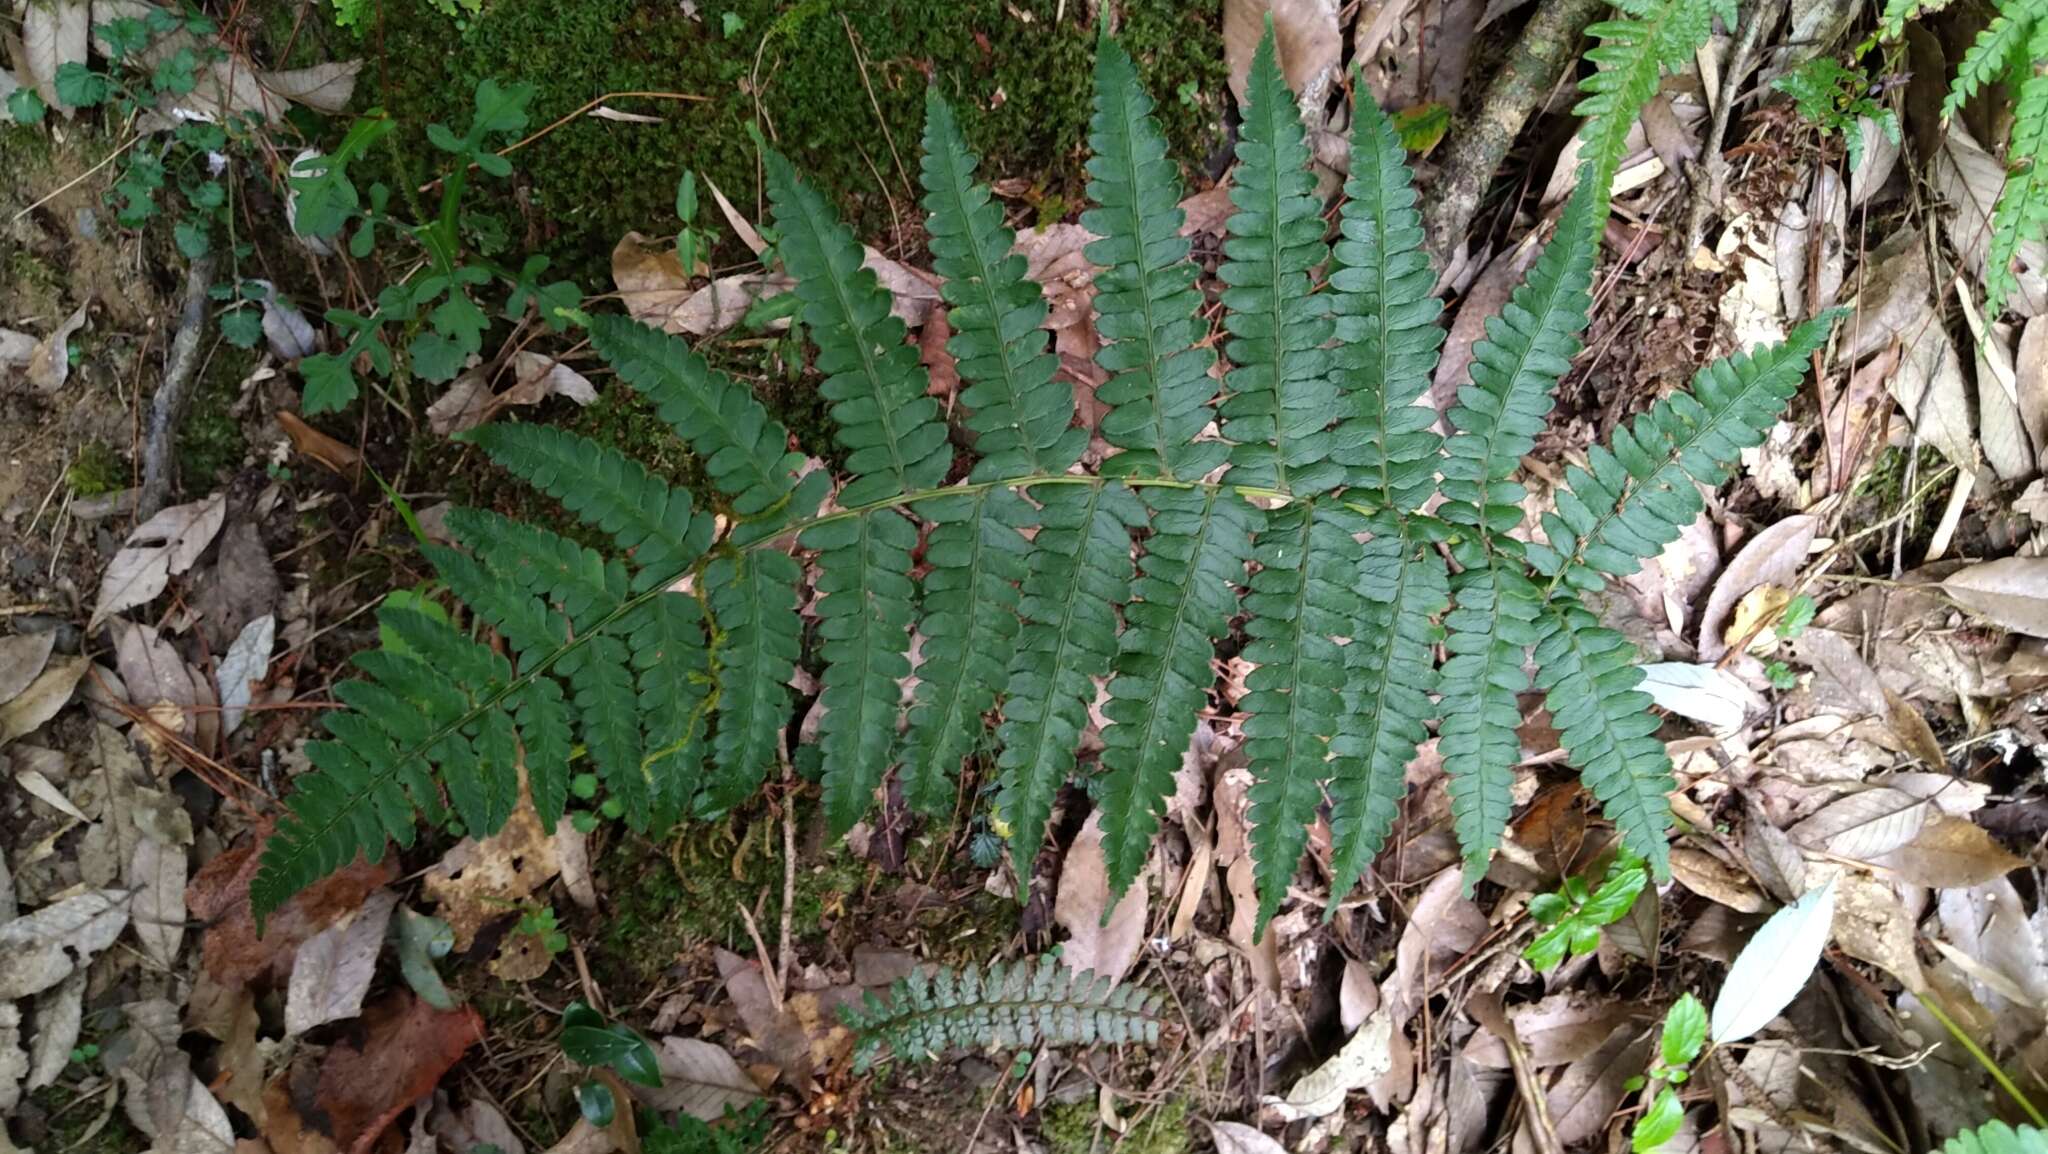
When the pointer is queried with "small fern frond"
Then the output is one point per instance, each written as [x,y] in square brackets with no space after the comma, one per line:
[2021,213]
[1080,571]
[745,451]
[1649,38]
[1996,1137]
[1634,497]
[1391,672]
[864,614]
[894,440]
[672,682]
[1183,599]
[578,581]
[1028,1004]
[1021,417]
[1492,623]
[1527,348]
[969,604]
[1282,400]
[1301,599]
[1388,337]
[1146,300]
[1588,676]
[756,640]
[1989,55]
[649,519]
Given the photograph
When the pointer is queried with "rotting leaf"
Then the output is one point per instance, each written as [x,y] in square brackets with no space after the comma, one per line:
[359,1087]
[478,882]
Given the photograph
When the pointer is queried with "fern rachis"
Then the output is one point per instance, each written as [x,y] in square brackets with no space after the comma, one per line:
[670,663]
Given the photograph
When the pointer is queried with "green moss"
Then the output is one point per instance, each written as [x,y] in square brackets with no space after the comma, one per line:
[210,442]
[1071,1129]
[96,469]
[71,1121]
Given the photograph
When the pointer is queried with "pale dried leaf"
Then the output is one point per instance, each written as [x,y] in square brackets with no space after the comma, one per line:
[1361,1061]
[1238,1138]
[43,697]
[699,1078]
[1555,1031]
[1773,967]
[1880,157]
[1773,556]
[1950,852]
[2030,381]
[334,967]
[2011,592]
[1969,180]
[22,658]
[36,785]
[156,872]
[60,1013]
[1101,939]
[49,363]
[14,1061]
[1714,880]
[1869,923]
[322,88]
[1865,824]
[157,550]
[1307,41]
[54,33]
[479,881]
[1999,428]
[247,663]
[39,950]
[1703,692]
[1587,1093]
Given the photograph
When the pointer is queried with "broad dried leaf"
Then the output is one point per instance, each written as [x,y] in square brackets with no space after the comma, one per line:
[322,88]
[1773,967]
[39,950]
[22,658]
[1773,557]
[2011,592]
[42,698]
[1704,693]
[358,1088]
[54,33]
[1586,1095]
[60,1012]
[1714,880]
[156,872]
[160,548]
[1100,939]
[1364,1058]
[1865,824]
[469,401]
[1306,39]
[1238,1138]
[247,663]
[1869,923]
[699,1078]
[337,457]
[1560,1029]
[1968,180]
[334,967]
[1948,853]
[49,365]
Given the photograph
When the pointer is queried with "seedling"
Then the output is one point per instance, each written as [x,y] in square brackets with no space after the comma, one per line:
[1575,913]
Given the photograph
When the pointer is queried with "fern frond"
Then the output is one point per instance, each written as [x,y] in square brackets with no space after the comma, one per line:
[1027,1004]
[1145,298]
[1390,670]
[2021,213]
[969,604]
[1080,570]
[1633,499]
[745,451]
[1492,623]
[580,582]
[546,741]
[1183,599]
[1527,348]
[1282,400]
[1990,54]
[610,491]
[672,681]
[1996,1137]
[864,613]
[1589,676]
[894,440]
[1021,417]
[1388,338]
[1301,599]
[498,600]
[600,676]
[1649,38]
[756,639]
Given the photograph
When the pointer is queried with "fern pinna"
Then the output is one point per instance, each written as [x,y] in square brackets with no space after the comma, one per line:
[1285,508]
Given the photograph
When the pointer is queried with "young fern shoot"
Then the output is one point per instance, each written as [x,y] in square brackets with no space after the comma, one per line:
[1284,507]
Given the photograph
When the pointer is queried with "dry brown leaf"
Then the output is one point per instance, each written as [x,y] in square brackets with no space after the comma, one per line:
[1864,824]
[1238,1138]
[1870,924]
[49,364]
[469,401]
[1773,556]
[1560,1029]
[478,882]
[156,874]
[1950,852]
[1589,1090]
[219,896]
[1100,939]
[332,972]
[2030,381]
[1714,880]
[2011,592]
[336,456]
[1261,951]
[157,550]
[350,1095]
[699,1078]
[1307,40]
[53,34]
[324,87]
[1970,179]
[42,698]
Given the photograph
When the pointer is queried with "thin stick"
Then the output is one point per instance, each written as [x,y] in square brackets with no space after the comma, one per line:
[169,403]
[1990,1067]
[785,957]
[586,107]
[75,181]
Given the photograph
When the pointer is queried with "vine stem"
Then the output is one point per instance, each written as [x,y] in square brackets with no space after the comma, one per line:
[1992,1068]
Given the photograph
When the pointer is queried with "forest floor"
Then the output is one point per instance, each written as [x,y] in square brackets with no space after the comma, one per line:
[1850,692]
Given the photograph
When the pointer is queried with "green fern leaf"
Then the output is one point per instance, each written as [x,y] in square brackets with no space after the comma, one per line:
[894,440]
[672,677]
[1024,1005]
[744,450]
[1491,624]
[546,741]
[1996,1137]
[1588,676]
[1391,672]
[864,613]
[1650,38]
[1301,599]
[1021,417]
[757,639]
[1197,551]
[608,490]
[1282,400]
[2021,213]
[1633,499]
[969,603]
[1992,52]
[580,582]
[1388,337]
[1146,300]
[1080,570]
[499,601]
[601,684]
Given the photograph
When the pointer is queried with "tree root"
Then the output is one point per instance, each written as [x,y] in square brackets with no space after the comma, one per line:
[169,403]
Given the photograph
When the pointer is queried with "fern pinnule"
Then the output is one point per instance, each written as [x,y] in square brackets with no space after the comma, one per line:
[546,740]
[1388,338]
[1027,1004]
[1021,416]
[754,651]
[2021,214]
[579,581]
[1182,602]
[1282,400]
[1146,301]
[1080,571]
[1589,677]
[672,687]
[864,616]
[1993,51]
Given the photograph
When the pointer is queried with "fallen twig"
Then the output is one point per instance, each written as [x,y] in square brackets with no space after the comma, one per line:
[169,403]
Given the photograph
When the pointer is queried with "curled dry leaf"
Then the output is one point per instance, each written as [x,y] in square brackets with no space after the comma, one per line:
[351,1095]
[1238,1138]
[1100,939]
[1774,557]
[337,457]
[1714,880]
[157,550]
[49,363]
[2011,592]
[469,401]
